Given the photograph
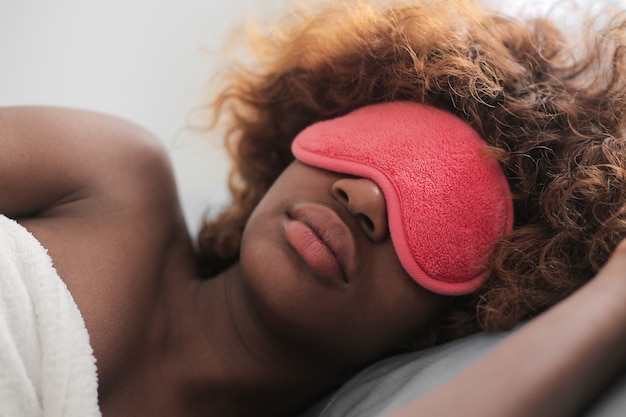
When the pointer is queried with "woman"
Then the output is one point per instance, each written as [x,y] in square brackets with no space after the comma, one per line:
[98,193]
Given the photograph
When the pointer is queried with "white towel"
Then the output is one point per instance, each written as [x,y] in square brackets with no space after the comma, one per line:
[47,367]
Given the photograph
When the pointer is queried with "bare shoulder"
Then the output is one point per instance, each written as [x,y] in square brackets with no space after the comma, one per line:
[99,194]
[88,186]
[55,156]
[92,187]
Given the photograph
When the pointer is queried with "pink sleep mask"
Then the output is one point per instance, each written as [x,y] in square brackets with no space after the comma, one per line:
[447,200]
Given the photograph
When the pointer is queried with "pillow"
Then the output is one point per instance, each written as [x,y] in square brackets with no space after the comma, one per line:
[393,382]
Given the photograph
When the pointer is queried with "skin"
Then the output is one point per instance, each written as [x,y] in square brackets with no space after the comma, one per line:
[99,194]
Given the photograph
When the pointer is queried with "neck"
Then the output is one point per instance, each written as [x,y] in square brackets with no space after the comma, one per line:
[221,353]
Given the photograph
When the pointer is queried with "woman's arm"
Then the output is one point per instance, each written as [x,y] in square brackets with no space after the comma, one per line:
[52,157]
[553,366]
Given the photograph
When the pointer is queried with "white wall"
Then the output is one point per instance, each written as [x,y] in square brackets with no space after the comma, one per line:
[144,60]
[140,59]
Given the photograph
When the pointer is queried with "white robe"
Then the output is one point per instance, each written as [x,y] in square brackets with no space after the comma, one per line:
[47,367]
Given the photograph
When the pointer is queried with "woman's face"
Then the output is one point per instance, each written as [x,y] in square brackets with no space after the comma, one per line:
[321,272]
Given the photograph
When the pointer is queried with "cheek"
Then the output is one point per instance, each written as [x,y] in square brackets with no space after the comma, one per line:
[397,317]
[394,307]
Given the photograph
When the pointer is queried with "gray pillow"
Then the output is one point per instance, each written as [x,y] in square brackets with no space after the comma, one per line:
[391,383]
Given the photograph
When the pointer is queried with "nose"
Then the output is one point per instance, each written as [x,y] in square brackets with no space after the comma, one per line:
[365,201]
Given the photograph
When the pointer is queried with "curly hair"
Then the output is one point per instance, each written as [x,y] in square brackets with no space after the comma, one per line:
[551,110]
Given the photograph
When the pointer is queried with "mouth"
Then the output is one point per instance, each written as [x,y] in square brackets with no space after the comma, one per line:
[322,240]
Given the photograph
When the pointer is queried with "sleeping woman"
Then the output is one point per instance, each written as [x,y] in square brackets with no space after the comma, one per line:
[403,175]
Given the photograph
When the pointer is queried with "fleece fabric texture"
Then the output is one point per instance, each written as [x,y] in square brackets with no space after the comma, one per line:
[47,368]
[447,200]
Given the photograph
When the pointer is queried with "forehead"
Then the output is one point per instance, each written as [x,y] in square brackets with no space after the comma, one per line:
[447,200]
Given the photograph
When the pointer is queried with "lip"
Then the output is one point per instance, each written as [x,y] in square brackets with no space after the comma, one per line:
[322,240]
